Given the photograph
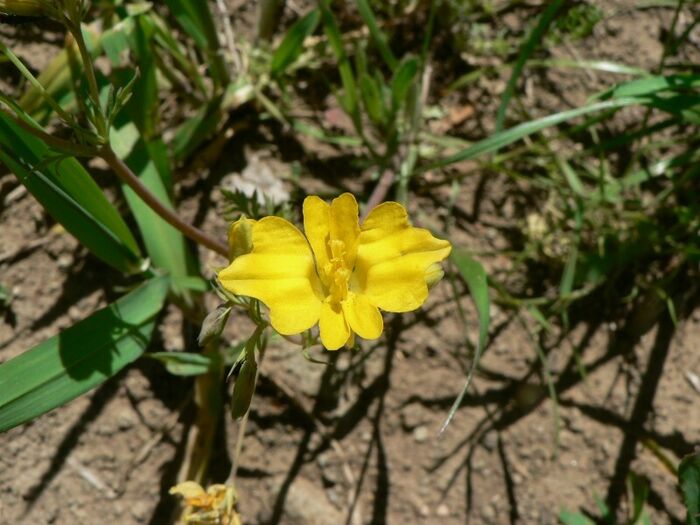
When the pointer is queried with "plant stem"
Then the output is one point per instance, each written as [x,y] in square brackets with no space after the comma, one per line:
[127,176]
[65,146]
[74,26]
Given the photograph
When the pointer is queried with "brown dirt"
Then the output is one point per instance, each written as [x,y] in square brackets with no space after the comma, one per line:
[357,441]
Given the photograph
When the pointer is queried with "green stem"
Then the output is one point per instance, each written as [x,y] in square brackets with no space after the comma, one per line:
[67,117]
[74,26]
[64,146]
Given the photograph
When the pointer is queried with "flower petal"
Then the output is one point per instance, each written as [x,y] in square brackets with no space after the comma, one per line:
[280,272]
[317,218]
[362,316]
[393,259]
[335,331]
[344,225]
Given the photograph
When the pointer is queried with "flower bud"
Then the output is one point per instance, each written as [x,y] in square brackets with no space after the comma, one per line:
[240,237]
[213,324]
[244,388]
[433,274]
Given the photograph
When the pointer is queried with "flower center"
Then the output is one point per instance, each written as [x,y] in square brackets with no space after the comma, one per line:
[337,272]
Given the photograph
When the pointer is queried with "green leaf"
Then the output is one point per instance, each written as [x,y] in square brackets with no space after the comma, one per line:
[475,276]
[185,363]
[533,40]
[372,99]
[81,357]
[503,138]
[196,19]
[349,101]
[165,245]
[195,130]
[574,518]
[70,195]
[377,35]
[402,80]
[653,85]
[293,43]
[689,478]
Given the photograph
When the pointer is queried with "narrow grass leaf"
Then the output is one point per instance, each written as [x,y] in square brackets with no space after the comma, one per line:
[503,138]
[196,19]
[349,100]
[185,363]
[81,357]
[377,34]
[533,40]
[70,195]
[403,79]
[475,276]
[293,43]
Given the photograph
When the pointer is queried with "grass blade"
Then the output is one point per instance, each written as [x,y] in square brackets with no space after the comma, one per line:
[533,40]
[196,19]
[70,195]
[349,101]
[503,138]
[293,43]
[81,357]
[377,35]
[475,276]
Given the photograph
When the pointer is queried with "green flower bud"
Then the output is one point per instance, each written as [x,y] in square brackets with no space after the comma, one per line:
[240,237]
[244,388]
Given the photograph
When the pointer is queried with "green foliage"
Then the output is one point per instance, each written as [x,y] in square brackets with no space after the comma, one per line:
[70,195]
[578,22]
[689,477]
[80,357]
[475,276]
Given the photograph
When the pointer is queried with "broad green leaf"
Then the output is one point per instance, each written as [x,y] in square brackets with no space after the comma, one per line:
[81,357]
[165,245]
[475,276]
[533,40]
[689,478]
[70,195]
[185,363]
[293,43]
[503,138]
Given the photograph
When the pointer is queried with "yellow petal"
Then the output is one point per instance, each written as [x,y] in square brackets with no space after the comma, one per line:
[362,316]
[335,331]
[344,225]
[280,272]
[387,216]
[188,489]
[394,258]
[317,215]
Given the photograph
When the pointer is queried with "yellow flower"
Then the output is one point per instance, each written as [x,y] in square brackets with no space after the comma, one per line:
[343,275]
[215,505]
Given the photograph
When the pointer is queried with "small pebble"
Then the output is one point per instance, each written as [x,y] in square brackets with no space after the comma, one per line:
[443,510]
[420,434]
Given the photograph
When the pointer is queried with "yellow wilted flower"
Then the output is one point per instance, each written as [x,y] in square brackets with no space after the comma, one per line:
[213,506]
[343,274]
